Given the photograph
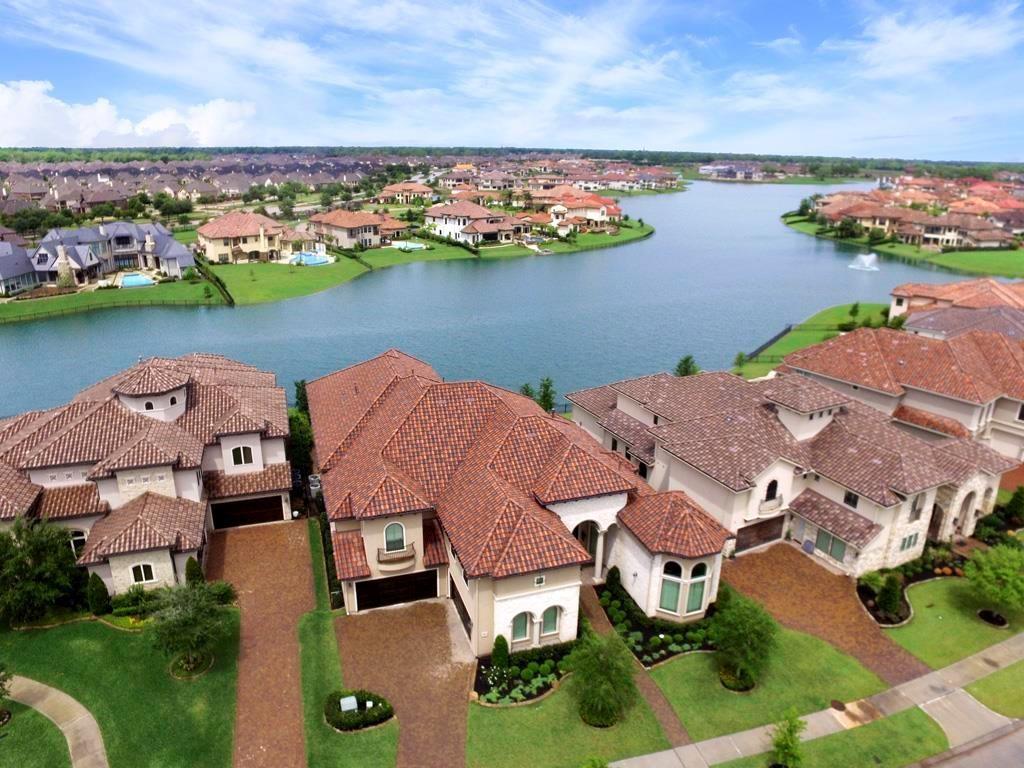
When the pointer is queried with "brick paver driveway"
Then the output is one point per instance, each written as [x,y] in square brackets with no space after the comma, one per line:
[269,566]
[413,655]
[804,596]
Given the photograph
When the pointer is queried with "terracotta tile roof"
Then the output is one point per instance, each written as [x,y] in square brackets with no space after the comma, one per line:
[434,552]
[151,380]
[239,224]
[148,522]
[981,292]
[349,555]
[410,187]
[632,431]
[849,526]
[275,477]
[460,209]
[804,396]
[71,501]
[343,219]
[930,421]
[953,321]
[672,523]
[17,493]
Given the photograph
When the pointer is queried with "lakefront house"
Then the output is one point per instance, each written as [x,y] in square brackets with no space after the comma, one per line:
[140,466]
[469,492]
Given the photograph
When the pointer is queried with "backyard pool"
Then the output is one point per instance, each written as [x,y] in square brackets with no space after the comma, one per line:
[135,280]
[405,245]
[308,259]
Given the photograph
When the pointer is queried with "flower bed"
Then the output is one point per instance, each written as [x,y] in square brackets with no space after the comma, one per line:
[650,640]
[370,710]
[934,562]
[528,675]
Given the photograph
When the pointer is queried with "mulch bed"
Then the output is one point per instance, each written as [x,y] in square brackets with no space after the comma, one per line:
[269,567]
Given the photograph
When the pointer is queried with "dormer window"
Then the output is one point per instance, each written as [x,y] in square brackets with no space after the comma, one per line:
[241,454]
[850,499]
[174,400]
[149,405]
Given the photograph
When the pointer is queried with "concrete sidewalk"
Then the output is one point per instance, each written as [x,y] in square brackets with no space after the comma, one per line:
[85,742]
[940,694]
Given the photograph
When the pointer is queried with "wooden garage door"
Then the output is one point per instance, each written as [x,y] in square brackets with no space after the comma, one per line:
[396,589]
[229,514]
[760,533]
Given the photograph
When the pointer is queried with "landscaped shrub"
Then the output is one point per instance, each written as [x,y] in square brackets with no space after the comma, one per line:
[137,601]
[602,681]
[193,572]
[38,570]
[744,635]
[371,709]
[97,596]
[499,654]
[223,592]
[890,595]
[787,749]
[997,575]
[188,625]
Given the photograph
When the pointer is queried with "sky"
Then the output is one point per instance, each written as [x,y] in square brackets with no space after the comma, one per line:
[938,81]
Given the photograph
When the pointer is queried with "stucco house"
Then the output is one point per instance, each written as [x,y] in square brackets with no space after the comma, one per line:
[140,466]
[971,294]
[791,458]
[406,193]
[347,229]
[470,223]
[243,235]
[465,491]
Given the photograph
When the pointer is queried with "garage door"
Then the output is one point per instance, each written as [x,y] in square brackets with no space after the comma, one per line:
[228,514]
[396,589]
[759,533]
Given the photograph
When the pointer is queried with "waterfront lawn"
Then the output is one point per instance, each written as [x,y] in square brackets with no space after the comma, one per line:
[30,740]
[178,292]
[629,232]
[321,674]
[550,734]
[945,627]
[389,257]
[265,281]
[1002,691]
[891,742]
[186,236]
[804,673]
[123,680]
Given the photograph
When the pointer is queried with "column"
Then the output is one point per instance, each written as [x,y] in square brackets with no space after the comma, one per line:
[599,555]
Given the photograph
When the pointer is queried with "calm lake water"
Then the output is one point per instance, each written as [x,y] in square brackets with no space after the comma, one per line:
[720,275]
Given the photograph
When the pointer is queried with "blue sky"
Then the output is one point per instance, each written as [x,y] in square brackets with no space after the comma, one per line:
[926,80]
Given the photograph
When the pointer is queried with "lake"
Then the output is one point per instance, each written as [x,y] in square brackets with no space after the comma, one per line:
[720,275]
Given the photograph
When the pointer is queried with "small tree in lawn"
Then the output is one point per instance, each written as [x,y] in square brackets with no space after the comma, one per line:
[97,596]
[854,310]
[546,394]
[188,624]
[602,681]
[787,749]
[744,635]
[997,575]
[687,366]
[193,572]
[739,361]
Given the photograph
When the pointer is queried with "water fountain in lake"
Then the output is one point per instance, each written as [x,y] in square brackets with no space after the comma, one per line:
[866,262]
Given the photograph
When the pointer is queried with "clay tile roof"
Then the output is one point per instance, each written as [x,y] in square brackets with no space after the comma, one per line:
[461,209]
[804,396]
[71,501]
[275,477]
[17,493]
[349,555]
[151,380]
[347,219]
[433,544]
[632,431]
[578,475]
[672,523]
[239,224]
[239,424]
[849,526]
[147,522]
[930,421]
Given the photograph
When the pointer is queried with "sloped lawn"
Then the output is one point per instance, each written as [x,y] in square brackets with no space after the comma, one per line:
[804,672]
[946,627]
[259,283]
[31,741]
[146,716]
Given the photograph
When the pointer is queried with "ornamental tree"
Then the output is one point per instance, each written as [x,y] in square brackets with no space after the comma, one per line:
[787,749]
[37,569]
[602,681]
[744,635]
[97,596]
[997,575]
[188,624]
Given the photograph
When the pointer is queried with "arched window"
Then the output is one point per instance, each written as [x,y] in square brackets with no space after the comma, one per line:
[142,573]
[241,454]
[772,491]
[394,537]
[174,400]
[149,405]
[549,621]
[521,627]
[695,592]
[671,586]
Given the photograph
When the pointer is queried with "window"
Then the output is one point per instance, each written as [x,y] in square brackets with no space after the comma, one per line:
[53,476]
[174,401]
[538,581]
[850,499]
[142,573]
[655,419]
[615,443]
[899,302]
[695,592]
[1020,413]
[77,542]
[521,627]
[241,454]
[549,621]
[161,478]
[830,545]
[671,586]
[915,508]
[642,470]
[772,491]
[129,481]
[908,542]
[149,405]
[394,537]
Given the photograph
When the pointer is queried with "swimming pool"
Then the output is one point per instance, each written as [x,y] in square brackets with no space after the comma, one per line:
[135,280]
[405,245]
[310,259]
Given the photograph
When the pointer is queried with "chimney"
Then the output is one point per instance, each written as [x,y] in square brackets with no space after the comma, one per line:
[103,231]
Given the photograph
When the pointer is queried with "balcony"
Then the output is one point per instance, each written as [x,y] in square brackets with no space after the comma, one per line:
[769,507]
[396,556]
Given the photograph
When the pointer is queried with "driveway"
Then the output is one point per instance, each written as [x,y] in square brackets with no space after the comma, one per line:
[418,657]
[269,566]
[804,596]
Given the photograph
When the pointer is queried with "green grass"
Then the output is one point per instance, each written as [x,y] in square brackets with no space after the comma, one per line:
[945,627]
[263,282]
[804,672]
[590,240]
[550,734]
[186,236]
[799,337]
[31,741]
[321,674]
[179,292]
[124,682]
[1002,691]
[891,742]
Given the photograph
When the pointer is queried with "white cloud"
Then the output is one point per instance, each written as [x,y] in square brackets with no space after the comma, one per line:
[781,44]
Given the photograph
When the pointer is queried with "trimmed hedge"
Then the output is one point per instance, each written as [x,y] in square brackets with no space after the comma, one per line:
[427,235]
[214,278]
[361,717]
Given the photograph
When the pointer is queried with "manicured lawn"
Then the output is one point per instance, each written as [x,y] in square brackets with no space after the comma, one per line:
[389,257]
[179,292]
[804,672]
[258,283]
[185,236]
[588,240]
[892,742]
[505,252]
[321,674]
[550,734]
[1002,691]
[123,680]
[945,627]
[31,741]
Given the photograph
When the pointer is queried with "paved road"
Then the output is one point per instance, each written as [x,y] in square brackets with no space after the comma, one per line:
[1007,750]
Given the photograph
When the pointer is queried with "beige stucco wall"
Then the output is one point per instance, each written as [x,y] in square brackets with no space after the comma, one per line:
[135,482]
[230,442]
[372,530]
[967,414]
[671,474]
[121,570]
[56,477]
